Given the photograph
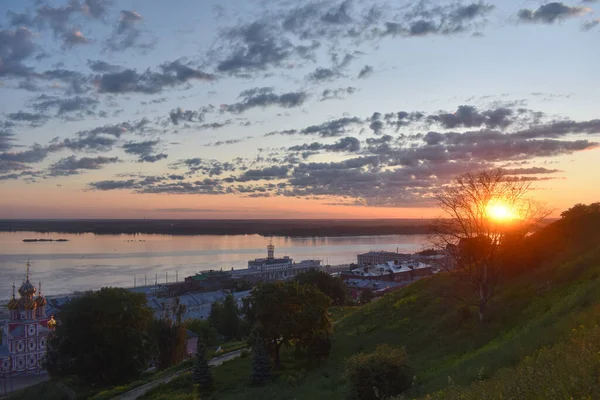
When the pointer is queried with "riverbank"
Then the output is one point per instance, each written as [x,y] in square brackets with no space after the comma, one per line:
[289,228]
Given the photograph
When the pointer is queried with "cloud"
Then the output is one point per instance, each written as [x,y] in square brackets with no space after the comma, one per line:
[336,127]
[145,150]
[349,144]
[365,72]
[102,66]
[322,74]
[589,25]
[469,117]
[96,8]
[77,83]
[73,165]
[6,138]
[127,34]
[530,171]
[223,142]
[331,94]
[264,97]
[560,128]
[74,37]
[424,20]
[178,115]
[254,47]
[208,167]
[32,119]
[78,104]
[551,12]
[267,173]
[172,74]
[15,47]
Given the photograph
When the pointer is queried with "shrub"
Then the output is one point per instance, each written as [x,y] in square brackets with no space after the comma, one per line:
[380,374]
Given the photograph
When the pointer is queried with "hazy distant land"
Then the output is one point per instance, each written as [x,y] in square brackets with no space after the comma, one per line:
[225,227]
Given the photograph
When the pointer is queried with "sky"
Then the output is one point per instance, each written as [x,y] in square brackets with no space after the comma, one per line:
[291,109]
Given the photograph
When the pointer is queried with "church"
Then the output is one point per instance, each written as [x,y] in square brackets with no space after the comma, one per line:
[24,336]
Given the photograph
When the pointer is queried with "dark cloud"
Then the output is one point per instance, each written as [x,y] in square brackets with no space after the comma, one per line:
[74,37]
[78,104]
[551,12]
[349,144]
[128,34]
[332,128]
[73,165]
[254,47]
[15,47]
[365,72]
[181,115]
[530,171]
[172,74]
[32,119]
[113,185]
[57,18]
[470,117]
[96,8]
[268,173]
[264,97]
[589,25]
[223,142]
[10,165]
[208,167]
[145,150]
[341,93]
[6,139]
[423,19]
[76,82]
[322,74]
[560,128]
[35,154]
[102,66]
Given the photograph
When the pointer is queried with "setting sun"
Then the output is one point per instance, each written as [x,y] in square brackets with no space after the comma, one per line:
[499,211]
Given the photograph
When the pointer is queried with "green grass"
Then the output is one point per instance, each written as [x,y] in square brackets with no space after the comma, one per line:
[444,340]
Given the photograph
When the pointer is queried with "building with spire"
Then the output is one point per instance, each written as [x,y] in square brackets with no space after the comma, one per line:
[24,336]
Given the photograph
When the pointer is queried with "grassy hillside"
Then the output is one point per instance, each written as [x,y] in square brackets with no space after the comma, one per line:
[447,346]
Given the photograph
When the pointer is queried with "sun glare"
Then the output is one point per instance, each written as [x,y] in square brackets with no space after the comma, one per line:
[499,211]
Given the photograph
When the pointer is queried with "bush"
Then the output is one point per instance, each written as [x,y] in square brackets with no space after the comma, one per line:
[380,374]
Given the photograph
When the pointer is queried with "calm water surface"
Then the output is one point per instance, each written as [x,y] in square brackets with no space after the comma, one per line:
[89,261]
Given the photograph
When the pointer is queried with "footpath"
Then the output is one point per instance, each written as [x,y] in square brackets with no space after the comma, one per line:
[141,390]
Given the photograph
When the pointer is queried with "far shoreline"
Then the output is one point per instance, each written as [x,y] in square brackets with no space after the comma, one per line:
[271,227]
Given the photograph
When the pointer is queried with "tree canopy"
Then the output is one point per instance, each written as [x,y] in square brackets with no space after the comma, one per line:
[289,314]
[334,288]
[102,337]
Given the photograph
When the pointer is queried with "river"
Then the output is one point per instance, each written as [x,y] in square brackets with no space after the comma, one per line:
[89,261]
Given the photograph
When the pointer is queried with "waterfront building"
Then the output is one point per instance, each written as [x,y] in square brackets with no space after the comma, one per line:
[25,334]
[379,257]
[392,271]
[273,269]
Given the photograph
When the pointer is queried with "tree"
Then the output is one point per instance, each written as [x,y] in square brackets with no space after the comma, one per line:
[379,375]
[214,318]
[170,336]
[230,319]
[366,295]
[225,318]
[261,363]
[170,340]
[203,329]
[102,337]
[201,374]
[288,313]
[482,211]
[335,288]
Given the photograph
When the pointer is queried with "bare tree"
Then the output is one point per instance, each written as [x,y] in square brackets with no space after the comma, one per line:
[481,212]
